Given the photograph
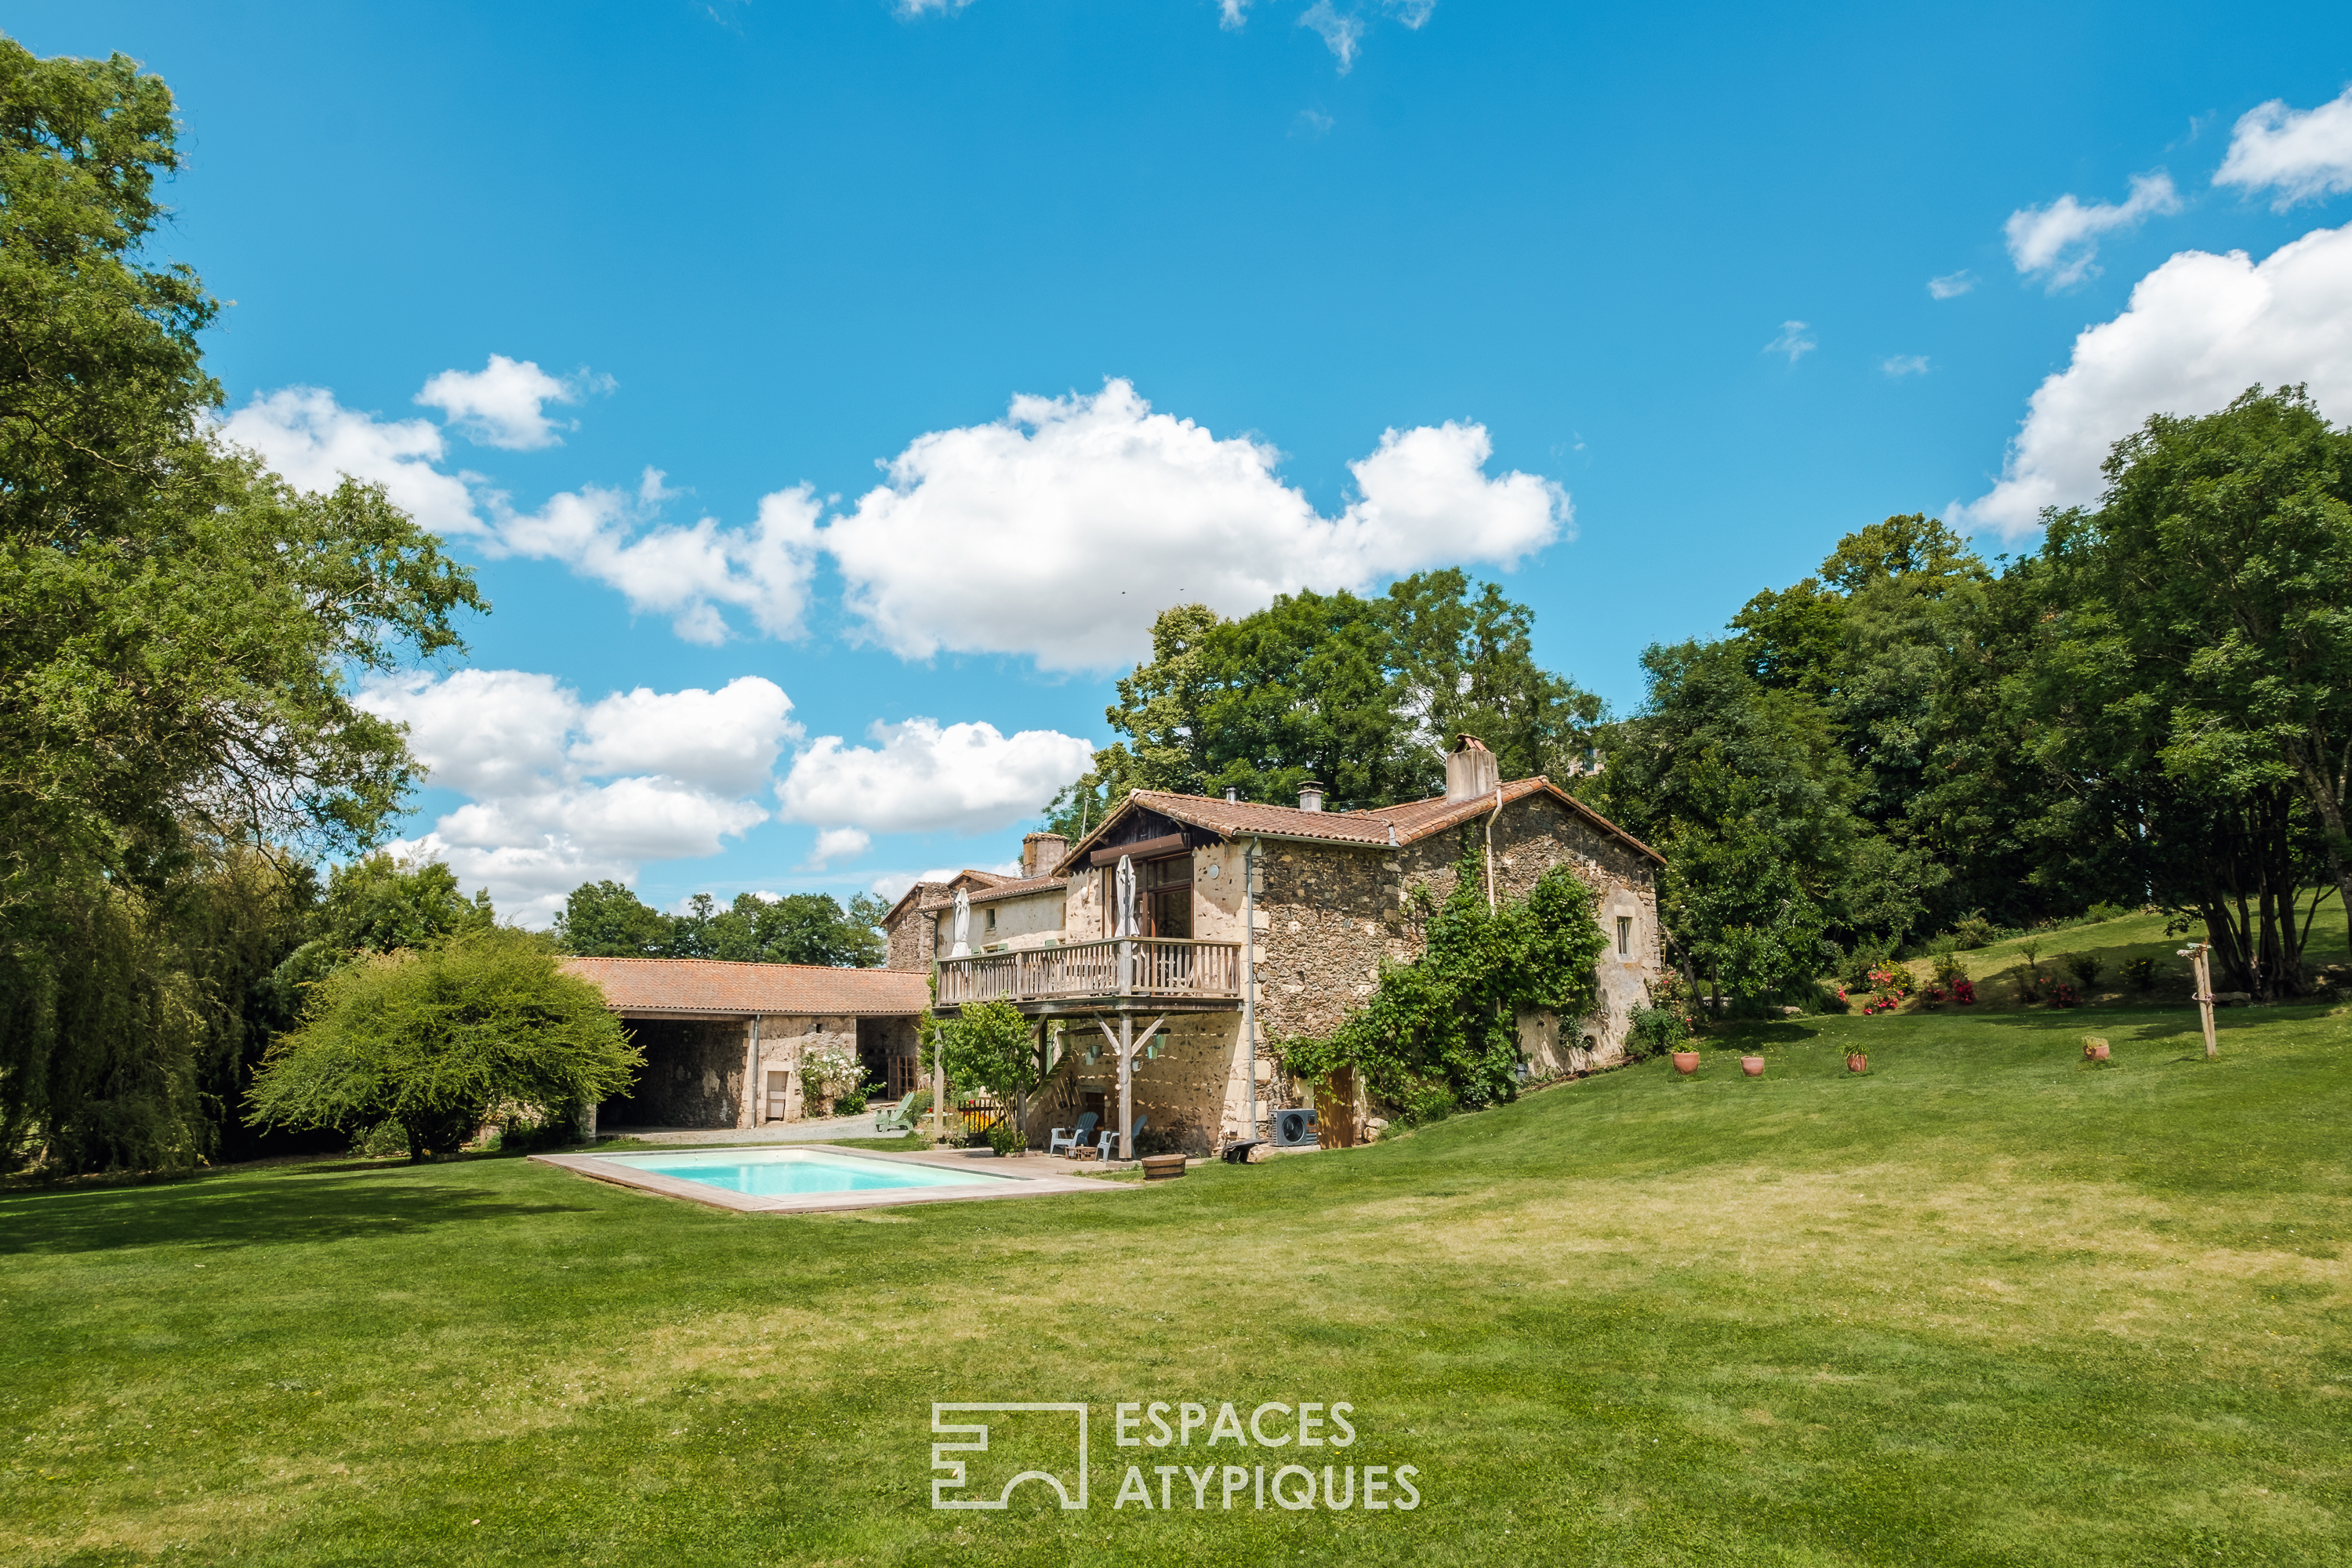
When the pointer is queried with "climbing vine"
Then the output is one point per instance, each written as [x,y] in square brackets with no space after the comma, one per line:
[1448,1022]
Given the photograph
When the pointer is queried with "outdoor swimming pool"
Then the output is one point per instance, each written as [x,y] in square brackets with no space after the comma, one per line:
[791,1173]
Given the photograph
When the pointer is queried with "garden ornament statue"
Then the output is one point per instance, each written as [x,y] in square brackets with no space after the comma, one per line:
[962,948]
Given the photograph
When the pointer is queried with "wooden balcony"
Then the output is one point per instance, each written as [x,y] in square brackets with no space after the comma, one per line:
[1092,976]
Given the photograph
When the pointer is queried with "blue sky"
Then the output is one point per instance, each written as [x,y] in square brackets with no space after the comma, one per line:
[762,246]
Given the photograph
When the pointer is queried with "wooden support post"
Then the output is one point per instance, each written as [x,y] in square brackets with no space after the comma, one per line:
[2200,959]
[1126,1086]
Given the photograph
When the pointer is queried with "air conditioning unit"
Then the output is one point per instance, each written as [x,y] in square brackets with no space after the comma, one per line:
[1294,1129]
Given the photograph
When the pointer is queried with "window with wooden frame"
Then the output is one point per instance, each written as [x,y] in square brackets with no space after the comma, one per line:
[1166,895]
[1624,936]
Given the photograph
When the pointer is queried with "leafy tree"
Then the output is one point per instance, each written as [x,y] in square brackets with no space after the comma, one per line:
[1362,694]
[1744,789]
[993,1045]
[438,1039]
[800,927]
[178,631]
[2217,575]
[605,919]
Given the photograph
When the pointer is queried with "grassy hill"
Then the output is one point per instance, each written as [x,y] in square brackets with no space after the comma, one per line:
[1987,1304]
[1997,967]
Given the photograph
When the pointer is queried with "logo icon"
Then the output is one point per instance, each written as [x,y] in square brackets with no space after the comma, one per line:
[1043,1431]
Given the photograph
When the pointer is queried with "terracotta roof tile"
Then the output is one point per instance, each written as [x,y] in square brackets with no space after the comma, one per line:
[1370,828]
[1018,887]
[1243,817]
[738,990]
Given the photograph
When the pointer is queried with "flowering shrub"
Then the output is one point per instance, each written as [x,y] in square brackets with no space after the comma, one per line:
[1889,986]
[829,1071]
[1964,992]
[2062,995]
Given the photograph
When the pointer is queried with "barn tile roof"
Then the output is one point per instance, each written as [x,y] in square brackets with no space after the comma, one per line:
[1018,887]
[1372,827]
[722,989]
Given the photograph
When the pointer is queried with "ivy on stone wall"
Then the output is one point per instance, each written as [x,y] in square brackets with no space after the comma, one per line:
[1448,1021]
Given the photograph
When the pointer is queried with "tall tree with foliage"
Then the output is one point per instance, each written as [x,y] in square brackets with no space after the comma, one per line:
[1361,694]
[605,919]
[178,627]
[2221,560]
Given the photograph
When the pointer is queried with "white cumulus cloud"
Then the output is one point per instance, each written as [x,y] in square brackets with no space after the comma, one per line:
[920,777]
[689,572]
[692,572]
[1061,530]
[563,792]
[2198,330]
[2061,242]
[2302,153]
[1905,364]
[502,405]
[837,844]
[1951,285]
[304,435]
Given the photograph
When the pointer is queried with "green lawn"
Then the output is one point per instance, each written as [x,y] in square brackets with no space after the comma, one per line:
[1987,1304]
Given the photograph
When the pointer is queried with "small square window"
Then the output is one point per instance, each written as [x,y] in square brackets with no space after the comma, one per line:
[1624,936]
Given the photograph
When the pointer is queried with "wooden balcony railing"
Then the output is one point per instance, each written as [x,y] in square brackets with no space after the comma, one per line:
[1137,967]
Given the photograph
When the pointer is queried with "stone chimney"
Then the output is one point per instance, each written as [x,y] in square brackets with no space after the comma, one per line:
[1470,770]
[1233,795]
[1311,796]
[1041,854]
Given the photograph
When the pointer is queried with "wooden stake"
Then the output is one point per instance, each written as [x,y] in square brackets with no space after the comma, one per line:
[2200,964]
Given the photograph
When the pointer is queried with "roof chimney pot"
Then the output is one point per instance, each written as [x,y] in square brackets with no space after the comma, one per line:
[1233,795]
[1311,796]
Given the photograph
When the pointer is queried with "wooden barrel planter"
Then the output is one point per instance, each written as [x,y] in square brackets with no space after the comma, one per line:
[1162,1167]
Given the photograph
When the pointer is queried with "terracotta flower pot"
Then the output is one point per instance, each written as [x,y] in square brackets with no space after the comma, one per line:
[1752,1066]
[1857,1062]
[2094,1050]
[1686,1062]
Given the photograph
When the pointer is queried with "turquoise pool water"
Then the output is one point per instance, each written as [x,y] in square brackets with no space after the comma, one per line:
[788,1173]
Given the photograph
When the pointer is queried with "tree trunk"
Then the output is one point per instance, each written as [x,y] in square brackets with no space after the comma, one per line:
[2326,799]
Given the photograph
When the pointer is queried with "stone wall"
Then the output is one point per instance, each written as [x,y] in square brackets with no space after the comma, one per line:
[1531,837]
[693,1075]
[1327,917]
[782,1039]
[1197,1092]
[911,939]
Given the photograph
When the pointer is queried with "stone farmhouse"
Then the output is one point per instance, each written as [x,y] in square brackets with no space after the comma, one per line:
[1244,923]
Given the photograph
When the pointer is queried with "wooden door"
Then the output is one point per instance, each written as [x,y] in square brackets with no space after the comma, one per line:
[778,1082]
[1335,1111]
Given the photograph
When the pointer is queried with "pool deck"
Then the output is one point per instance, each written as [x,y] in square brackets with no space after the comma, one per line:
[1016,1178]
